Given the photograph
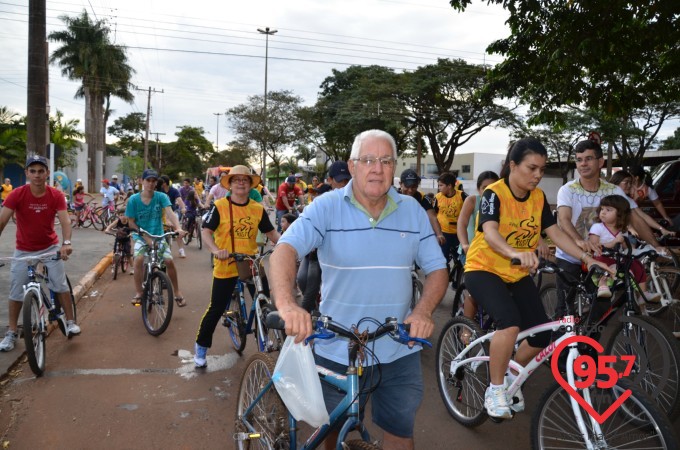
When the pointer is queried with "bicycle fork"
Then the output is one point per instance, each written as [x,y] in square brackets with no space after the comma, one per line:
[576,408]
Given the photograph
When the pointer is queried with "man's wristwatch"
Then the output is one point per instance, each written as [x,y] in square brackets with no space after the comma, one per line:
[67,242]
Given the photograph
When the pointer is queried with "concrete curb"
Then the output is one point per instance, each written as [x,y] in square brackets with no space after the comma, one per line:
[79,290]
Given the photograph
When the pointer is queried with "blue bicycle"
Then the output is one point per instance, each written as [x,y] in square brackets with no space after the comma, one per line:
[262,420]
[239,322]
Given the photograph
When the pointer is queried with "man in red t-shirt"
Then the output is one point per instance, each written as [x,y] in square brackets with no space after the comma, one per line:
[35,205]
[285,199]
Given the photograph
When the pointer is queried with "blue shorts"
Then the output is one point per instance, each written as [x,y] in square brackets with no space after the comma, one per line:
[396,400]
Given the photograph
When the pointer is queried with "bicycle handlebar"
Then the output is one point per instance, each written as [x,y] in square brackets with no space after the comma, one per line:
[142,231]
[325,328]
[245,256]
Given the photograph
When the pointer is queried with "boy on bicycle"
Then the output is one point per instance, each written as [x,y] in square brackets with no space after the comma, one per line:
[122,227]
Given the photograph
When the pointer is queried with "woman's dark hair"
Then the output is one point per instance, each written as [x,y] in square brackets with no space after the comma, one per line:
[641,174]
[520,149]
[191,199]
[79,188]
[619,176]
[583,146]
[486,175]
[447,178]
[622,207]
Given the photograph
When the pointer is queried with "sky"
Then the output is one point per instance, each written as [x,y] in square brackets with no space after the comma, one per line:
[207,56]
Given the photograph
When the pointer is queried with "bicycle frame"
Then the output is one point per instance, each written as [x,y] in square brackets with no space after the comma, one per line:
[524,372]
[254,318]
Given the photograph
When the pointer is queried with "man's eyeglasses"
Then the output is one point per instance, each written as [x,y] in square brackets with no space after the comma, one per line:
[587,159]
[385,161]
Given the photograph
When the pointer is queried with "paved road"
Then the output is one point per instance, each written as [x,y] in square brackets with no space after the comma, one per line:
[115,386]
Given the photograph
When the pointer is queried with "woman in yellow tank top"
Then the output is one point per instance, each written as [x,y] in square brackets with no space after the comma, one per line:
[512,214]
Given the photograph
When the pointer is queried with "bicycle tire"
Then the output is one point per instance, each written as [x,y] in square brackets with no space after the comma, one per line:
[417,291]
[187,237]
[462,392]
[116,262]
[637,423]
[199,236]
[236,324]
[459,300]
[268,339]
[656,350]
[124,262]
[86,221]
[157,303]
[269,416]
[548,295]
[35,333]
[97,221]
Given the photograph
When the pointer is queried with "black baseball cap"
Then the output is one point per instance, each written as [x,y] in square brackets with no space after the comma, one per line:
[339,171]
[150,173]
[36,159]
[410,178]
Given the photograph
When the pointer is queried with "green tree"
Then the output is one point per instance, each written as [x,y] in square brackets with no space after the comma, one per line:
[86,54]
[448,104]
[65,135]
[188,155]
[672,142]
[12,137]
[237,153]
[305,153]
[130,131]
[275,133]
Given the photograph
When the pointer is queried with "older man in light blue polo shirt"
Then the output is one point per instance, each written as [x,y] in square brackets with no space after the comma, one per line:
[368,236]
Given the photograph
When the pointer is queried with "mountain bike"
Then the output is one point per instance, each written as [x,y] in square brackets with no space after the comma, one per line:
[262,420]
[88,217]
[157,294]
[559,421]
[240,323]
[657,351]
[41,309]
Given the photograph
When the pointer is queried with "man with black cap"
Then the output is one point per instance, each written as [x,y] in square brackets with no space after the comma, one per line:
[408,185]
[35,205]
[338,177]
[145,210]
[285,199]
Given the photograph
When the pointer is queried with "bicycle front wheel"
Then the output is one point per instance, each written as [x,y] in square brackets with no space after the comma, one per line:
[157,304]
[637,423]
[268,339]
[116,261]
[268,416]
[235,322]
[462,391]
[657,359]
[35,332]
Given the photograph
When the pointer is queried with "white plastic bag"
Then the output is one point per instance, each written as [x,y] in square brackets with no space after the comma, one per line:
[297,382]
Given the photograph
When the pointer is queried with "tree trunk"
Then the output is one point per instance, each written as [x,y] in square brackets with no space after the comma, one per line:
[90,139]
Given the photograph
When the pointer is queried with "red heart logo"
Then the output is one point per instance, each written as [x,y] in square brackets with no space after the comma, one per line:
[600,418]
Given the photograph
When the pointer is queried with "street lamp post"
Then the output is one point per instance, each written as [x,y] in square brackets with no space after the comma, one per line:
[217,136]
[267,32]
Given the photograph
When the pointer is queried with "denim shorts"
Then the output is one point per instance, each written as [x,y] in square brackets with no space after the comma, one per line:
[19,273]
[396,400]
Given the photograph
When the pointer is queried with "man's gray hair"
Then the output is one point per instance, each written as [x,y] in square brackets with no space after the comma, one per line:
[377,134]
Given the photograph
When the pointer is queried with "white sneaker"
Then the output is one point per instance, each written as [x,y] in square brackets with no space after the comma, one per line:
[182,254]
[518,405]
[8,342]
[72,329]
[200,356]
[496,403]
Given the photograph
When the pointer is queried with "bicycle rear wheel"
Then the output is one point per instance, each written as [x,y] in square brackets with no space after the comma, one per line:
[157,304]
[35,332]
[116,262]
[463,391]
[637,423]
[62,323]
[268,339]
[97,221]
[235,322]
[269,416]
[657,359]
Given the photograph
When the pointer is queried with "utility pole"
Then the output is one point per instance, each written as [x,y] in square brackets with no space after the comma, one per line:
[148,115]
[267,32]
[158,151]
[37,124]
[217,136]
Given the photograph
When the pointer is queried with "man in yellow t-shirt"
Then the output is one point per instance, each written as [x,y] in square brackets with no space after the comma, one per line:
[447,204]
[198,187]
[299,183]
[6,189]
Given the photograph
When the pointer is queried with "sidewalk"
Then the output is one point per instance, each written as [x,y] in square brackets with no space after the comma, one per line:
[86,264]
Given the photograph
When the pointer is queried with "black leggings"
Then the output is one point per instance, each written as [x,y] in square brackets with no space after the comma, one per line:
[222,289]
[510,304]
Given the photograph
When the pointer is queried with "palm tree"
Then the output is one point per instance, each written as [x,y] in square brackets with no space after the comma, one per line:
[86,54]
